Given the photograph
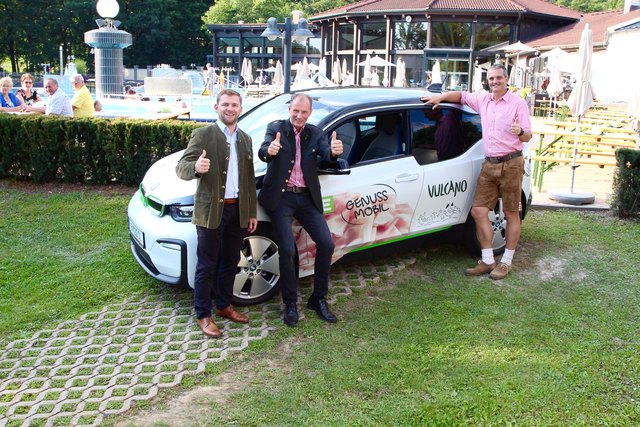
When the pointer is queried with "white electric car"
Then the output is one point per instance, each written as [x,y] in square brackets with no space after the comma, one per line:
[397,181]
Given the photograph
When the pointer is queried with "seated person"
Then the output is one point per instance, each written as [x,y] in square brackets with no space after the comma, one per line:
[27,94]
[82,102]
[57,104]
[97,105]
[8,101]
[450,137]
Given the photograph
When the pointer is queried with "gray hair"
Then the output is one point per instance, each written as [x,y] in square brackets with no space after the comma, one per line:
[499,66]
[77,78]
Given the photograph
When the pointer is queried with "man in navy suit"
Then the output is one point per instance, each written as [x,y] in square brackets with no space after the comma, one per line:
[291,189]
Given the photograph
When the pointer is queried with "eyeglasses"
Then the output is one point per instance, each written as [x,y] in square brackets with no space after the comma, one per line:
[28,82]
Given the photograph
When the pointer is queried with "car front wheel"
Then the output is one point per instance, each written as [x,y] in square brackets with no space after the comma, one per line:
[258,276]
[498,225]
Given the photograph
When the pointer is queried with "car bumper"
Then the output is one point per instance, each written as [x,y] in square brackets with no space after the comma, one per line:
[162,246]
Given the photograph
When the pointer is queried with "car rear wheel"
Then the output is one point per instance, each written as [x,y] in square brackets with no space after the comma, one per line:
[258,276]
[499,226]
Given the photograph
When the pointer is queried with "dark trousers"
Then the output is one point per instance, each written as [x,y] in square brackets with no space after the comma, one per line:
[301,207]
[218,257]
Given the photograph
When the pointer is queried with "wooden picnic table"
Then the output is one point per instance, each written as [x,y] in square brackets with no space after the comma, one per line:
[556,146]
[569,126]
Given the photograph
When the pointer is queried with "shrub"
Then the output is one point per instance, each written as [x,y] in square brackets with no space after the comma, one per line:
[626,184]
[97,151]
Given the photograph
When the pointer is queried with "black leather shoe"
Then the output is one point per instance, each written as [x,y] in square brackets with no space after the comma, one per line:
[319,305]
[290,314]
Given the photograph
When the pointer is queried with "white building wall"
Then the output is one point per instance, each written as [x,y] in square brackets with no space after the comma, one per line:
[616,71]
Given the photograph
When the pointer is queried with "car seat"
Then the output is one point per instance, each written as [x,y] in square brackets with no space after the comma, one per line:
[387,142]
[347,133]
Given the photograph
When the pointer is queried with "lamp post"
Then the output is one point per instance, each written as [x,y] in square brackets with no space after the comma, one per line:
[292,28]
[107,43]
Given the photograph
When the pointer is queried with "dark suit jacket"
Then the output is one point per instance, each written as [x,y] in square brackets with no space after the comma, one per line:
[314,146]
[209,197]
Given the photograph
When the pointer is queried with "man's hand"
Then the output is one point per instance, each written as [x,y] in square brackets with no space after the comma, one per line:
[253,224]
[515,126]
[203,164]
[432,99]
[275,146]
[336,145]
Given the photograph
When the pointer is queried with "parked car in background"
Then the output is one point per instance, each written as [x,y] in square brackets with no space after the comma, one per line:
[396,182]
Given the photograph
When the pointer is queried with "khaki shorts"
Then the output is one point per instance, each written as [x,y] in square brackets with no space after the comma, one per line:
[500,180]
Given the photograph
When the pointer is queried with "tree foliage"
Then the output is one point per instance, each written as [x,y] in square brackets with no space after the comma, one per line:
[587,6]
[256,11]
[164,31]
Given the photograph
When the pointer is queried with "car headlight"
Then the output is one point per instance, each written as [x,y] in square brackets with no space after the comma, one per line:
[181,213]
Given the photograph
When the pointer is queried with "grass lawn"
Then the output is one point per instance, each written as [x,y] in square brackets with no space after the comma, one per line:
[553,344]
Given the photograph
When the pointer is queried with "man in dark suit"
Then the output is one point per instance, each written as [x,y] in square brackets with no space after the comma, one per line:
[221,156]
[291,189]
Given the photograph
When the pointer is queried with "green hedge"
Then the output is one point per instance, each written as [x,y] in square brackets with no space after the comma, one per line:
[626,184]
[98,151]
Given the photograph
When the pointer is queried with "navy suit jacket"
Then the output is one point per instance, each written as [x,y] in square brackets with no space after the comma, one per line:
[314,147]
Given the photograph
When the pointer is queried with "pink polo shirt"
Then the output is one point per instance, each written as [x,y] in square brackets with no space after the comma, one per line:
[496,118]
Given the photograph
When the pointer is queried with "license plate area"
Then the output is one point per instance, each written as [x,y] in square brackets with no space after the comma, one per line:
[136,233]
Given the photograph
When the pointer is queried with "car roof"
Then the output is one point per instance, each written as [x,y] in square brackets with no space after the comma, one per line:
[348,99]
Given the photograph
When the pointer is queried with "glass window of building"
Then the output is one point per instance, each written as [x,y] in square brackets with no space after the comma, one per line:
[228,45]
[374,36]
[346,37]
[315,45]
[411,35]
[488,35]
[451,34]
[273,46]
[252,44]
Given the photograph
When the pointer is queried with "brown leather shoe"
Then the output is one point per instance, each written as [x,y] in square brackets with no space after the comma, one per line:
[480,269]
[500,272]
[209,328]
[229,313]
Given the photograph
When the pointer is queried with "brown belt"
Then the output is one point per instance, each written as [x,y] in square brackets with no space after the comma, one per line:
[504,158]
[294,189]
[230,201]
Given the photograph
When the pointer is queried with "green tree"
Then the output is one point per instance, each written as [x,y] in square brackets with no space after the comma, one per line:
[587,6]
[256,11]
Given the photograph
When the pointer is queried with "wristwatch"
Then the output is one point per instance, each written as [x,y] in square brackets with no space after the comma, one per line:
[521,132]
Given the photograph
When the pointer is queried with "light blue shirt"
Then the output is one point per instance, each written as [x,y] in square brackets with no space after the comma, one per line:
[231,188]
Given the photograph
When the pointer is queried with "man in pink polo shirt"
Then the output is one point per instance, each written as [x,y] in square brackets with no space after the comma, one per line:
[505,127]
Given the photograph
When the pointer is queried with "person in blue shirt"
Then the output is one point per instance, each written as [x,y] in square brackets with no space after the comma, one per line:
[8,101]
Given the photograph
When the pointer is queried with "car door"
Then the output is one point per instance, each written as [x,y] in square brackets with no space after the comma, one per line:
[441,143]
[375,203]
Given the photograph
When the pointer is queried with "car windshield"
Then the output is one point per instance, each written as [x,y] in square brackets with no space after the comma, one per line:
[255,121]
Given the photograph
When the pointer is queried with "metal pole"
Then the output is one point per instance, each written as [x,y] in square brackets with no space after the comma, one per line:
[287,55]
[61,61]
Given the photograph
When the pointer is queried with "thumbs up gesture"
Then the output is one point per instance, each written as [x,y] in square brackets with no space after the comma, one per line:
[515,126]
[336,144]
[275,146]
[203,164]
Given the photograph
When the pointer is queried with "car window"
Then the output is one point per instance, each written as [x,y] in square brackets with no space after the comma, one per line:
[442,134]
[372,137]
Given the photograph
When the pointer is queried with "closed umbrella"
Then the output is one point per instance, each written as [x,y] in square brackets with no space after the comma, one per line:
[436,76]
[366,74]
[400,80]
[477,79]
[580,100]
[336,72]
[278,75]
[554,88]
[385,78]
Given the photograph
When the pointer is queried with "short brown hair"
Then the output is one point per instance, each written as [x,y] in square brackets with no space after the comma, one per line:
[228,92]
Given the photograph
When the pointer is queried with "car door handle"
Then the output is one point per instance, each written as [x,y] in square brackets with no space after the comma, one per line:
[406,177]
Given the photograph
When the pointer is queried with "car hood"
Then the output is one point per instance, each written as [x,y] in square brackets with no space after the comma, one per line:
[162,183]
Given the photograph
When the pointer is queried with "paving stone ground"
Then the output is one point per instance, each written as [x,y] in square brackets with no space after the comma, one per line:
[84,370]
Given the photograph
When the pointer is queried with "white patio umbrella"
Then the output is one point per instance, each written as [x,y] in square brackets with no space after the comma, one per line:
[580,100]
[385,77]
[243,68]
[477,79]
[516,48]
[336,72]
[436,76]
[366,75]
[400,80]
[554,88]
[278,75]
[322,68]
[377,61]
[248,72]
